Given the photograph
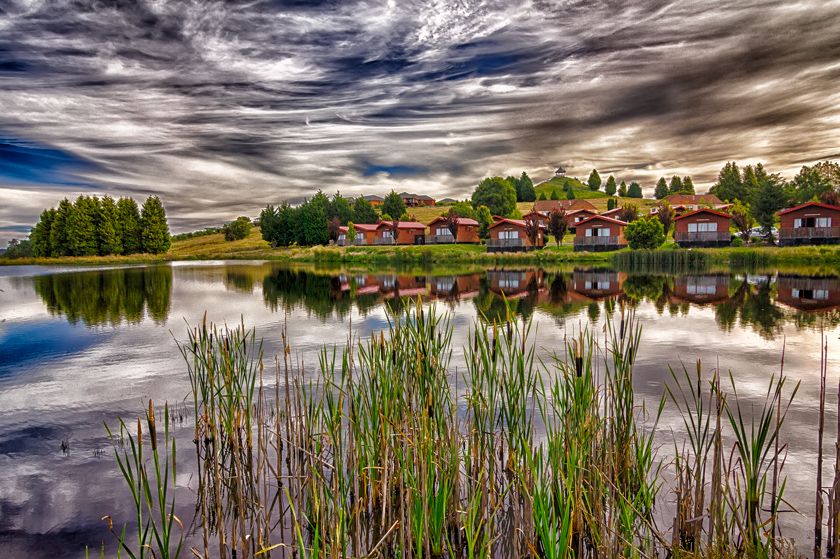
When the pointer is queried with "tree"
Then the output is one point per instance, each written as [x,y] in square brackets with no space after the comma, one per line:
[485,220]
[687,185]
[450,219]
[610,188]
[628,213]
[570,194]
[526,186]
[769,199]
[311,226]
[517,187]
[363,212]
[661,190]
[339,207]
[82,227]
[743,220]
[395,230]
[334,228]
[729,186]
[19,249]
[829,170]
[611,204]
[270,226]
[385,217]
[462,209]
[808,184]
[59,232]
[558,224]
[41,234]
[555,195]
[497,194]
[107,229]
[542,196]
[393,205]
[154,231]
[666,216]
[646,233]
[676,185]
[830,198]
[351,233]
[622,190]
[237,229]
[288,226]
[128,225]
[594,180]
[635,190]
[532,229]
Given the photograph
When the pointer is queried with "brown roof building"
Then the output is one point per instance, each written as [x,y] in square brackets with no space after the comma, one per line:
[408,233]
[702,228]
[809,224]
[600,234]
[508,235]
[545,206]
[439,232]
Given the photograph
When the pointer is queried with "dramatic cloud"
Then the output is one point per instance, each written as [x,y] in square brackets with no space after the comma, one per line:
[222,107]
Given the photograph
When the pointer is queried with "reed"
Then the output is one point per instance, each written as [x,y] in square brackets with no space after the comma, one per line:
[661,261]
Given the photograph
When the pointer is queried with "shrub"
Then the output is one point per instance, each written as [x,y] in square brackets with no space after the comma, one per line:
[237,230]
[645,233]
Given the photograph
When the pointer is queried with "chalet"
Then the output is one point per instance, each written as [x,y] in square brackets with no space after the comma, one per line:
[809,294]
[539,216]
[408,233]
[439,232]
[545,206]
[415,200]
[508,235]
[365,235]
[600,234]
[708,289]
[809,224]
[597,284]
[702,228]
[576,216]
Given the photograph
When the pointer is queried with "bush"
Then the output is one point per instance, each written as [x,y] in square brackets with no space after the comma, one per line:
[737,242]
[645,234]
[238,229]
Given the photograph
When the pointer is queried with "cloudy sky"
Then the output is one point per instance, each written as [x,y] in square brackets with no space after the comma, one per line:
[220,108]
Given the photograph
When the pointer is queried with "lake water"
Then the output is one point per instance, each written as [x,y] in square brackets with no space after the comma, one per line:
[79,347]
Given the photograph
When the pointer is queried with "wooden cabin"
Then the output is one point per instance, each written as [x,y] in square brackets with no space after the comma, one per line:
[576,216]
[702,228]
[809,224]
[613,213]
[508,235]
[408,233]
[451,288]
[702,289]
[809,294]
[600,234]
[546,206]
[365,234]
[539,216]
[597,284]
[516,283]
[439,233]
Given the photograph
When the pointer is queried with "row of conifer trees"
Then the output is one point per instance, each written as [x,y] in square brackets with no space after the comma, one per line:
[91,226]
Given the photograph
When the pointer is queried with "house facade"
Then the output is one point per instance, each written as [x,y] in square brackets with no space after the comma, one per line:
[576,216]
[541,217]
[808,294]
[809,224]
[702,228]
[439,233]
[708,289]
[408,233]
[597,284]
[600,234]
[508,235]
[365,234]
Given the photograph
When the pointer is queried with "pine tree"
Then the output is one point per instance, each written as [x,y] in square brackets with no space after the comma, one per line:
[339,207]
[363,212]
[622,190]
[154,231]
[610,188]
[41,234]
[59,232]
[570,194]
[542,196]
[393,205]
[485,220]
[769,199]
[81,227]
[526,185]
[687,185]
[517,187]
[107,230]
[270,226]
[661,190]
[594,180]
[676,185]
[288,223]
[312,221]
[611,204]
[128,226]
[729,186]
[634,190]
[555,195]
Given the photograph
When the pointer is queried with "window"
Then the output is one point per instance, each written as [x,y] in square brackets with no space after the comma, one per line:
[508,234]
[387,234]
[445,285]
[342,237]
[598,232]
[702,227]
[694,289]
[797,223]
[598,285]
[508,284]
[823,222]
[809,294]
[443,231]
[388,283]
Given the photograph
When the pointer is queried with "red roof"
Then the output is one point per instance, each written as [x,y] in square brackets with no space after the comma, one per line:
[402,225]
[611,212]
[461,221]
[601,217]
[366,226]
[517,222]
[806,204]
[707,210]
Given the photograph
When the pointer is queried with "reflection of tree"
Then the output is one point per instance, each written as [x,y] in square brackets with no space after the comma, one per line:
[815,320]
[322,295]
[726,314]
[665,295]
[492,307]
[239,281]
[594,311]
[106,297]
[558,288]
[755,308]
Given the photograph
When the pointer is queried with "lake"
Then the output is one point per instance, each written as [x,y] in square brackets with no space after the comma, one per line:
[80,347]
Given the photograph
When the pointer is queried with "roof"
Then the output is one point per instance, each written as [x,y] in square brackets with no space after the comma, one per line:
[602,218]
[448,201]
[517,222]
[587,210]
[610,213]
[344,228]
[424,197]
[366,226]
[374,198]
[807,204]
[402,225]
[461,220]
[548,205]
[706,210]
[692,199]
[532,212]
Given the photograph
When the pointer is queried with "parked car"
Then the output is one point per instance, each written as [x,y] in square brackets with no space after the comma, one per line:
[758,233]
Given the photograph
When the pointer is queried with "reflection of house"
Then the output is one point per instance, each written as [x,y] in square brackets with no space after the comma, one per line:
[702,228]
[545,206]
[600,234]
[445,287]
[702,289]
[508,235]
[597,284]
[515,283]
[408,233]
[809,224]
[439,232]
[808,294]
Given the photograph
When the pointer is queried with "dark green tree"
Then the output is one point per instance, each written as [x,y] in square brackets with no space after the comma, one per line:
[809,184]
[661,190]
[542,196]
[687,185]
[676,185]
[570,194]
[729,186]
[555,195]
[666,215]
[363,212]
[59,232]
[41,234]
[128,225]
[594,180]
[107,228]
[463,209]
[485,220]
[312,221]
[646,233]
[526,185]
[154,231]
[339,207]
[270,226]
[611,203]
[517,187]
[82,227]
[19,249]
[393,205]
[610,187]
[769,198]
[287,228]
[622,190]
[497,194]
[237,229]
[635,190]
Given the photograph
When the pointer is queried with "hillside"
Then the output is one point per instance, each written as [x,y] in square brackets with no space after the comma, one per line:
[581,190]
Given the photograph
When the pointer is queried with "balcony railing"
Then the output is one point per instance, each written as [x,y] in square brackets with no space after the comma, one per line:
[383,241]
[701,236]
[810,233]
[599,241]
[439,239]
[359,241]
[506,243]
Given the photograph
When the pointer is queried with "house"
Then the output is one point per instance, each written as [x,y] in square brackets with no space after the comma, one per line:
[539,216]
[560,172]
[425,200]
[702,228]
[373,199]
[415,200]
[365,233]
[702,289]
[597,283]
[809,224]
[613,213]
[576,216]
[600,234]
[682,203]
[508,235]
[545,206]
[408,233]
[439,233]
[515,283]
[808,293]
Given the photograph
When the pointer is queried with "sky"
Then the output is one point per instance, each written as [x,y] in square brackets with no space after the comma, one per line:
[220,108]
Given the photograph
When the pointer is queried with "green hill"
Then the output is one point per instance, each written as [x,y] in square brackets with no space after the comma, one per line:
[581,190]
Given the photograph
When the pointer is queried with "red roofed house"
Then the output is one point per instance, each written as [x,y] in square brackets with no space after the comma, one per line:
[439,233]
[702,228]
[600,234]
[539,216]
[808,293]
[408,233]
[365,233]
[702,289]
[809,224]
[508,235]
[576,216]
[613,213]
